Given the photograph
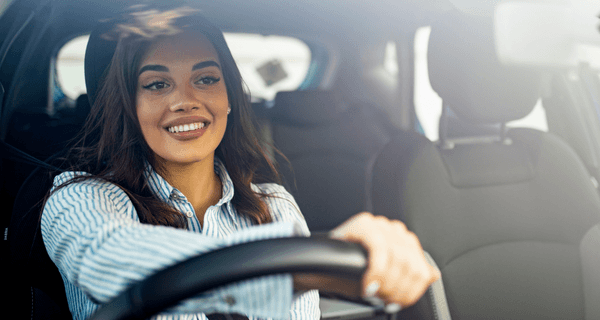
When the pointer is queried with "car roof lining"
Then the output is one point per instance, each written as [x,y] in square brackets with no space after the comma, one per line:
[337,18]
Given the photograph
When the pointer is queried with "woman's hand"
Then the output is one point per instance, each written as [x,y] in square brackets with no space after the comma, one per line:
[397,272]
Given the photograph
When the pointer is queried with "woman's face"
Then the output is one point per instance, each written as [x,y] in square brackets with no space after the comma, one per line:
[181,99]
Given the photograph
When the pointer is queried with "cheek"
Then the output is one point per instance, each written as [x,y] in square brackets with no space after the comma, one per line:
[148,118]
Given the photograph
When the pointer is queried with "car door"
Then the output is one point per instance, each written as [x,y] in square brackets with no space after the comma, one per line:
[21,24]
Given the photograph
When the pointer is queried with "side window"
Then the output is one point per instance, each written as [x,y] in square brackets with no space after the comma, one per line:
[4,5]
[428,105]
[534,120]
[268,64]
[390,58]
[69,67]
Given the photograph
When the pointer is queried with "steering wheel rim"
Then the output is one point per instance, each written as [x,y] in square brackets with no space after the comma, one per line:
[239,262]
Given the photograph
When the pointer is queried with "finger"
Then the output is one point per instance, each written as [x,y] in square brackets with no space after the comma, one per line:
[415,274]
[398,225]
[376,241]
[419,283]
[435,274]
[379,261]
[347,230]
[392,273]
[401,276]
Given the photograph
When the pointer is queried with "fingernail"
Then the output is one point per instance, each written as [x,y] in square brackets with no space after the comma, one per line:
[392,308]
[336,234]
[371,289]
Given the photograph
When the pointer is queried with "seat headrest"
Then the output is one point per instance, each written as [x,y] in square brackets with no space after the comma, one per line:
[310,107]
[454,127]
[98,55]
[465,72]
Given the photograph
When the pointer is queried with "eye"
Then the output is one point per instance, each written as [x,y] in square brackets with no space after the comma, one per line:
[208,80]
[156,85]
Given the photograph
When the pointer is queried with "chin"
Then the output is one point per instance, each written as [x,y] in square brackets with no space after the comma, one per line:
[183,158]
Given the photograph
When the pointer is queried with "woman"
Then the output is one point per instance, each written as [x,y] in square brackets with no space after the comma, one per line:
[165,170]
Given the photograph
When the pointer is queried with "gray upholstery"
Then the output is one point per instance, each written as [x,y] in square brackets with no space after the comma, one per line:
[459,45]
[306,108]
[503,218]
[328,145]
[590,256]
[507,249]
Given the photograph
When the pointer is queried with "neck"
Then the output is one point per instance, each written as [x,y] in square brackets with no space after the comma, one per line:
[197,181]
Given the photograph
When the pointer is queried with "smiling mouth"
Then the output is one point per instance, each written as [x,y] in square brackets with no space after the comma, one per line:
[187,127]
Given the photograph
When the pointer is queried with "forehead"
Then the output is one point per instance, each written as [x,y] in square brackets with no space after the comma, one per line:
[179,48]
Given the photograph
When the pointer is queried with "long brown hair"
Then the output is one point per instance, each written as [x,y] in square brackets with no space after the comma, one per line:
[111,146]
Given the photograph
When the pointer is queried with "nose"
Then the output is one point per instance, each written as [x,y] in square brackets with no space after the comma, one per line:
[182,106]
[183,100]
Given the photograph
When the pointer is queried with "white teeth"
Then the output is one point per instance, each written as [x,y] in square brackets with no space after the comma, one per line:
[186,127]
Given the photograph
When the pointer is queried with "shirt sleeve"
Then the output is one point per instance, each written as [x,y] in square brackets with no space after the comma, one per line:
[102,249]
[284,208]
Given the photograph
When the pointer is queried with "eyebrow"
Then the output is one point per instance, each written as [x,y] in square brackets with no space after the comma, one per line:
[153,67]
[161,68]
[205,64]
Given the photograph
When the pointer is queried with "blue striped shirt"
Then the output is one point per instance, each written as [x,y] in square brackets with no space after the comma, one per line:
[93,234]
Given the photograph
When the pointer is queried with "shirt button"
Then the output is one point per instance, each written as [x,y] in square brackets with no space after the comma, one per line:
[230,300]
[189,214]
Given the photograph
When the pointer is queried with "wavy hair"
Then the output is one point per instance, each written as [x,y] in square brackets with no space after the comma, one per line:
[111,145]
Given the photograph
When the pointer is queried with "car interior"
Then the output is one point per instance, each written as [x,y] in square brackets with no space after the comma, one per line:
[508,214]
[503,237]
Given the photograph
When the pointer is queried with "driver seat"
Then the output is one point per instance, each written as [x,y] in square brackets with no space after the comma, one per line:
[38,288]
[508,215]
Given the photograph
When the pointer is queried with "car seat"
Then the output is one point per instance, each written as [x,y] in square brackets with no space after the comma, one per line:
[507,214]
[38,289]
[328,144]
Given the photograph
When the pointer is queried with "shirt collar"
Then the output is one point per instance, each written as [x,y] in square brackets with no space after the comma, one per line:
[225,181]
[165,192]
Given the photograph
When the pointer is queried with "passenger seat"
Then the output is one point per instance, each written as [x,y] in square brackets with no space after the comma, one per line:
[508,215]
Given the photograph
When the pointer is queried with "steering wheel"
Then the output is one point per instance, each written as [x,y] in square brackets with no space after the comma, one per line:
[243,261]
